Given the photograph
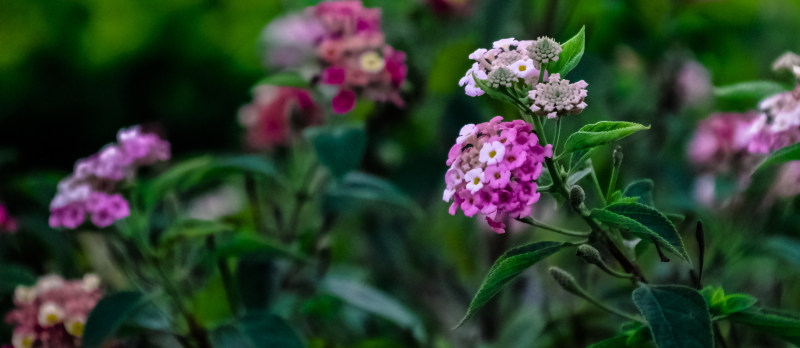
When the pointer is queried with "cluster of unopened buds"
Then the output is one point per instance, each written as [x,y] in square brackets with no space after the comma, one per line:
[90,188]
[350,50]
[7,223]
[275,114]
[511,63]
[53,312]
[493,170]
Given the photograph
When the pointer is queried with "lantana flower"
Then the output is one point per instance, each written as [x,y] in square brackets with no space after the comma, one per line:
[558,97]
[493,170]
[349,48]
[53,312]
[779,124]
[276,114]
[90,188]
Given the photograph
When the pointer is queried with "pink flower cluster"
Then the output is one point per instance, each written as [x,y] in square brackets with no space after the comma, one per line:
[351,52]
[720,142]
[90,187]
[275,114]
[53,312]
[7,223]
[493,170]
[779,124]
[507,62]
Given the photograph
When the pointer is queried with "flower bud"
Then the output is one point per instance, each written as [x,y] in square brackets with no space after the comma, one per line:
[617,156]
[589,254]
[566,280]
[576,196]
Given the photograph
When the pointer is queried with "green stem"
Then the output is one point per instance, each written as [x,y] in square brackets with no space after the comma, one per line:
[566,232]
[228,283]
[301,197]
[612,310]
[558,135]
[612,184]
[597,187]
[561,188]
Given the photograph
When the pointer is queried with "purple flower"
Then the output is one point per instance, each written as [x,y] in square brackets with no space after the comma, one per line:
[344,102]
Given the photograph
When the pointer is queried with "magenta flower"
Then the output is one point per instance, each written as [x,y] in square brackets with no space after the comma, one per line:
[344,102]
[493,171]
[7,223]
[276,114]
[88,189]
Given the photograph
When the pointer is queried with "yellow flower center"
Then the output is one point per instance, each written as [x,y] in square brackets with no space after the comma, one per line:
[476,181]
[522,68]
[492,153]
[372,62]
[77,329]
[52,318]
[27,341]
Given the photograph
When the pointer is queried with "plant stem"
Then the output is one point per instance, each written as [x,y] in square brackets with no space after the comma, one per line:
[613,182]
[566,232]
[597,186]
[301,197]
[561,188]
[612,310]
[231,292]
[557,136]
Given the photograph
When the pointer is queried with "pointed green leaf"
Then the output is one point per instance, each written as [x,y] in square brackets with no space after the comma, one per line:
[735,303]
[357,191]
[507,267]
[284,79]
[257,329]
[677,315]
[372,300]
[644,222]
[340,148]
[601,133]
[781,324]
[108,315]
[571,54]
[751,90]
[786,154]
[642,189]
[12,276]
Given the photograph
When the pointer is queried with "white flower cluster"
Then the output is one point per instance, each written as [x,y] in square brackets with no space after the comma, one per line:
[558,97]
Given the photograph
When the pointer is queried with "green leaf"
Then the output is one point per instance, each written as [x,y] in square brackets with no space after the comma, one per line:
[774,322]
[601,133]
[786,248]
[108,315]
[285,79]
[257,329]
[190,229]
[244,244]
[751,90]
[735,303]
[677,315]
[571,54]
[786,154]
[635,337]
[12,276]
[358,191]
[507,267]
[372,300]
[340,148]
[642,189]
[495,93]
[644,222]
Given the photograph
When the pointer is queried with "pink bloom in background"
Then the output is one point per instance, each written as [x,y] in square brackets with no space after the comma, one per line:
[787,183]
[344,102]
[720,142]
[53,312]
[89,188]
[779,124]
[493,171]
[693,84]
[275,114]
[450,7]
[347,49]
[7,223]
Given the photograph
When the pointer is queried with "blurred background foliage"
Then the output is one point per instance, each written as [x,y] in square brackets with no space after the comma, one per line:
[73,72]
